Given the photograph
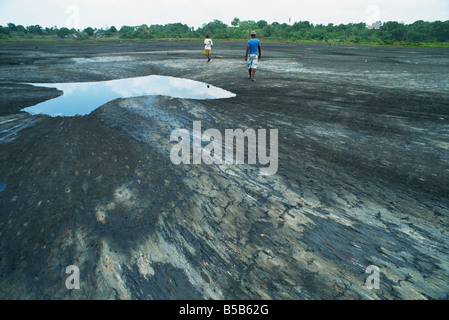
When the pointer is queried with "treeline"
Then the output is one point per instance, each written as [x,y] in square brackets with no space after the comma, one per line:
[379,33]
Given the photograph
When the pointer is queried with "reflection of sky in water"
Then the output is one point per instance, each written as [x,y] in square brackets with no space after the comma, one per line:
[81,98]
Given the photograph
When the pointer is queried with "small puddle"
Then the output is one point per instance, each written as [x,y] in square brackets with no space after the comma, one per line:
[81,98]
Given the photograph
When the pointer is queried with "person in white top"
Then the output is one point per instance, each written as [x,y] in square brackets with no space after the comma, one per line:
[208,47]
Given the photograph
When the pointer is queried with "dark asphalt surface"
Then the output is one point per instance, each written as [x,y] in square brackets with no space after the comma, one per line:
[362,179]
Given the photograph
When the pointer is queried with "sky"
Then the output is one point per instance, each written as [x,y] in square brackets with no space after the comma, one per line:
[80,14]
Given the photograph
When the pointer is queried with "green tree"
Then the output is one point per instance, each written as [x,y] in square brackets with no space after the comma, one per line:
[246,27]
[388,33]
[419,31]
[110,32]
[261,24]
[36,29]
[215,29]
[268,31]
[12,27]
[395,29]
[142,32]
[440,31]
[126,32]
[89,31]
[235,22]
[302,25]
[63,32]
[4,31]
[83,36]
[22,29]
[49,31]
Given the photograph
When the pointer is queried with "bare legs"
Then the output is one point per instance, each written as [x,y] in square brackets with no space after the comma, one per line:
[252,73]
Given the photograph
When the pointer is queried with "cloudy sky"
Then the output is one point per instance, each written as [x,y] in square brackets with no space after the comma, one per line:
[106,13]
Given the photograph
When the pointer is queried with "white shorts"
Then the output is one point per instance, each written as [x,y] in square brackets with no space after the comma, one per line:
[252,61]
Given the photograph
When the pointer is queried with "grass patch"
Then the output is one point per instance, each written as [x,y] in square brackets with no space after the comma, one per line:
[54,39]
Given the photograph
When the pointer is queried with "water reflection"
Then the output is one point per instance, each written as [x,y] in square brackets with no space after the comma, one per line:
[81,98]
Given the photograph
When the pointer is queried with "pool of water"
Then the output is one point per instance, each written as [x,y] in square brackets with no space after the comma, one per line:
[81,98]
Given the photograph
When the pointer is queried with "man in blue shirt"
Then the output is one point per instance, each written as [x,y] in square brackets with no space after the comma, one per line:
[253,54]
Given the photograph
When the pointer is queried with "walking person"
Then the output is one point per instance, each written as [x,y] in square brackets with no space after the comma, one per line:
[253,55]
[208,47]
